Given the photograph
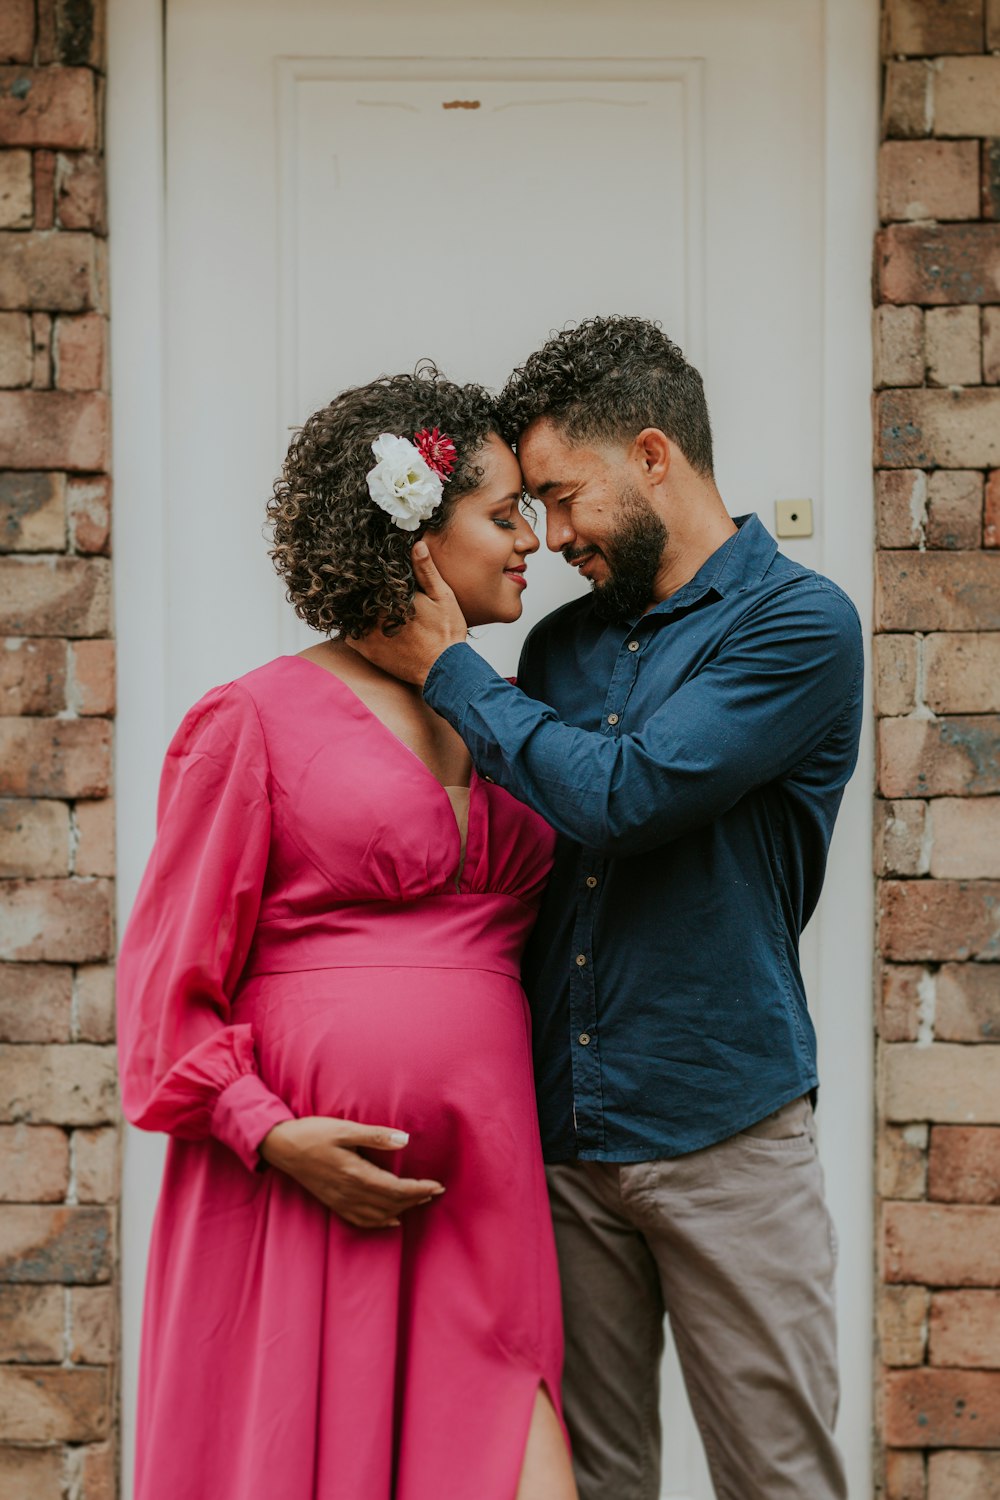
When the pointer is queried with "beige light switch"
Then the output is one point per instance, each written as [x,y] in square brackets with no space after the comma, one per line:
[793,517]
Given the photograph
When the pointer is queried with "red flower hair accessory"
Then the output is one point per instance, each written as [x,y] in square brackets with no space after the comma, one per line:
[437,450]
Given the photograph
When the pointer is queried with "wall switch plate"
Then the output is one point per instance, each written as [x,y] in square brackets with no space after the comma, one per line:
[793,517]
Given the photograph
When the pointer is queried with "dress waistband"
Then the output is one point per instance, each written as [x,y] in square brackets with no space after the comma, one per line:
[486,931]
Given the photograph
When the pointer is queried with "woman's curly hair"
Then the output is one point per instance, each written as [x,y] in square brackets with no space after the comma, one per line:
[345,565]
[607,379]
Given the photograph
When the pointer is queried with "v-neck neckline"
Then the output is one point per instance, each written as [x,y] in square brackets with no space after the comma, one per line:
[369,713]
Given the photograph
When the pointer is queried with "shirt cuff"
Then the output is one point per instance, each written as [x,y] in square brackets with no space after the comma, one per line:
[454,680]
[244,1113]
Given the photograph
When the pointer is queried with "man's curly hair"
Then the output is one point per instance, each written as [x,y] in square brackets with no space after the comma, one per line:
[345,565]
[605,380]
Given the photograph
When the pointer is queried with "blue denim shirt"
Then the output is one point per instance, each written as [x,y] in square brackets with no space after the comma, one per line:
[693,763]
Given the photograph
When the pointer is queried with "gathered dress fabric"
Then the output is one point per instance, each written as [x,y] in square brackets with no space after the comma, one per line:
[309,940]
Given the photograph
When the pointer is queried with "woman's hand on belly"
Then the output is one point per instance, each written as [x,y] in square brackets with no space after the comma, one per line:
[323,1156]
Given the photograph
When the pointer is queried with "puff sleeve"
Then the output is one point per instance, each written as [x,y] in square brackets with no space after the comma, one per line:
[186,1068]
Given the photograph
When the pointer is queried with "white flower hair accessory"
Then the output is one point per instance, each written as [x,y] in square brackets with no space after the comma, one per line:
[407,482]
[408,479]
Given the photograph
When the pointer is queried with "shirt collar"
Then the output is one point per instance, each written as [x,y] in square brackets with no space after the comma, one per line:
[738,564]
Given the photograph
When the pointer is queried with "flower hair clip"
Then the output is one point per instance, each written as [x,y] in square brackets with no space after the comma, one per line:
[408,480]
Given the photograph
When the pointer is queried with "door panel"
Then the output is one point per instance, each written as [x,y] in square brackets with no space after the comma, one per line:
[354,187]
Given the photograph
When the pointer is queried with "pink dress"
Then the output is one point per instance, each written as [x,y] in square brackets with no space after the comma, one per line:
[301,946]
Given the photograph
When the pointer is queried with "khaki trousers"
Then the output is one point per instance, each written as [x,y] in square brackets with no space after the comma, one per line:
[735,1245]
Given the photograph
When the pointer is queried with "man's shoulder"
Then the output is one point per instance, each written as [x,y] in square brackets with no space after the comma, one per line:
[791,586]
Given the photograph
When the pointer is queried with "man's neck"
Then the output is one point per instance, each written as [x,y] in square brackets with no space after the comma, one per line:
[685,555]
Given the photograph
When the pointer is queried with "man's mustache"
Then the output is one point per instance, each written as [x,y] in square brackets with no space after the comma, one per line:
[574,554]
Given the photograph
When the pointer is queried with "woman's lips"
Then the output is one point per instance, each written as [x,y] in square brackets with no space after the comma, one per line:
[516,575]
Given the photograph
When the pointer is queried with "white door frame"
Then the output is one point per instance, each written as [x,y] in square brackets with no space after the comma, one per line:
[136,180]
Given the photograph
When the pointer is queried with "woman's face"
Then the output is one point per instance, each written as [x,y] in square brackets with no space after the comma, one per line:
[482,551]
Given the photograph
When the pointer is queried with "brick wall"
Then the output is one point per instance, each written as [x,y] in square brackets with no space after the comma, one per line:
[937,653]
[58,1115]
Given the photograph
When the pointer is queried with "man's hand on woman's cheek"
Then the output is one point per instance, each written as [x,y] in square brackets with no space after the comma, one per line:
[437,623]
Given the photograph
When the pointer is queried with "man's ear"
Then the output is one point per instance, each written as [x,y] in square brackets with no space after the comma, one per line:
[652,448]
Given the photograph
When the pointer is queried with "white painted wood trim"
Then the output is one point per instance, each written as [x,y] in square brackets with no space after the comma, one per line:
[135,168]
[846,937]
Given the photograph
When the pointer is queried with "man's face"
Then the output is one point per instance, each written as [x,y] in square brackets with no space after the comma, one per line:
[597,516]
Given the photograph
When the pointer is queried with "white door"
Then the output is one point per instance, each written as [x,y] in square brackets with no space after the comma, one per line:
[352,186]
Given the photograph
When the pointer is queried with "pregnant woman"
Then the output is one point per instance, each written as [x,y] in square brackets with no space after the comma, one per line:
[352,1289]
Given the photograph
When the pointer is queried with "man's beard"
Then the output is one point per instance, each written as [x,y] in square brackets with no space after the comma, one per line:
[634,554]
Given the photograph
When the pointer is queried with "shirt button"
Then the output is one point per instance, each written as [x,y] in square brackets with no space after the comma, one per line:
[584,1039]
[581,960]
[487,778]
[633,645]
[612,718]
[591,882]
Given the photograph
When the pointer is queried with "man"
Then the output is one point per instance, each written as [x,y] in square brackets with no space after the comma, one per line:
[688,729]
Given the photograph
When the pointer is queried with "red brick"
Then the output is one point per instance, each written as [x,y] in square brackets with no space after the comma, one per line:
[41,341]
[34,838]
[34,1164]
[16,205]
[906,103]
[915,591]
[991,511]
[48,107]
[964,1476]
[967,1003]
[900,506]
[900,1001]
[902,1324]
[54,430]
[95,827]
[61,921]
[898,340]
[954,354]
[44,170]
[952,429]
[94,1324]
[905,1475]
[94,1003]
[81,200]
[938,264]
[17,44]
[31,1473]
[59,596]
[961,672]
[954,510]
[32,512]
[32,677]
[72,34]
[991,345]
[993,25]
[46,1404]
[97,1472]
[926,27]
[69,1245]
[54,757]
[902,1161]
[89,507]
[72,1085]
[81,356]
[48,271]
[990,180]
[956,756]
[900,845]
[31,1327]
[895,664]
[964,1164]
[35,1003]
[941,1408]
[965,838]
[16,360]
[944,1082]
[928,180]
[97,1164]
[92,677]
[967,96]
